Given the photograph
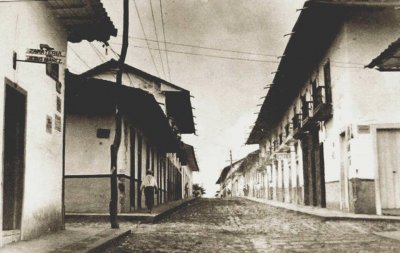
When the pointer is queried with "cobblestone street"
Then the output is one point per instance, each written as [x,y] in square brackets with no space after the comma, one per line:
[237,225]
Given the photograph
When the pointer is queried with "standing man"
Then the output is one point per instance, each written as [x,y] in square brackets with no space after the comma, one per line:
[149,185]
[186,190]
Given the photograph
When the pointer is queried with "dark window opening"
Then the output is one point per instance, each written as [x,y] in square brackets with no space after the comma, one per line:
[103,133]
[52,70]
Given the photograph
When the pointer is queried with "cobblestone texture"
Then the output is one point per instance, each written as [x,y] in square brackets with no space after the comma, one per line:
[237,225]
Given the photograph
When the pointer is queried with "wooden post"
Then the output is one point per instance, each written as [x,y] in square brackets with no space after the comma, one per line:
[118,121]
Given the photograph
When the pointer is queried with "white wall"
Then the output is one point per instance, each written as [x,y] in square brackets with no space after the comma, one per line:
[26,25]
[85,154]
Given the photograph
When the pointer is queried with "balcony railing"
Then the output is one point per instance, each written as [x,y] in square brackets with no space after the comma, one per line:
[288,129]
[297,119]
[319,96]
[276,145]
[307,110]
[322,106]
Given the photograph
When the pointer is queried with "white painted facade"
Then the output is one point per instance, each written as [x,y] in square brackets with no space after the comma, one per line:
[26,25]
[88,166]
[363,100]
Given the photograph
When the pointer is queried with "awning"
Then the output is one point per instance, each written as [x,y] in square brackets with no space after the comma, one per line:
[389,59]
[99,97]
[83,19]
[178,103]
[180,109]
[189,157]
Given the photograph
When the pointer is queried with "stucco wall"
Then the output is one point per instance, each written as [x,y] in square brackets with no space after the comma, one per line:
[26,25]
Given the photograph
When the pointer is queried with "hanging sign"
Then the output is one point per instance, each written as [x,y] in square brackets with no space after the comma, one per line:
[45,56]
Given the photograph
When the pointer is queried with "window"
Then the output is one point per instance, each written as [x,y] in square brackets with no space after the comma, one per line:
[52,70]
[103,133]
[327,81]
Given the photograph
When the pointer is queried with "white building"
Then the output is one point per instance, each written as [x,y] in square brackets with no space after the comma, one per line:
[329,128]
[31,99]
[154,114]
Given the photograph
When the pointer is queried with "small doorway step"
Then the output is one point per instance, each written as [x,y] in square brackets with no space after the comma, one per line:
[10,236]
[394,212]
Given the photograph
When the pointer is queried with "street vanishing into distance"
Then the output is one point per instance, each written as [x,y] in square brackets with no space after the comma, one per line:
[241,225]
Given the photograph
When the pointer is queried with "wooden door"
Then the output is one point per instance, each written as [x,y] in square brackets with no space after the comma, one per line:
[388,145]
[132,193]
[139,170]
[13,158]
[344,178]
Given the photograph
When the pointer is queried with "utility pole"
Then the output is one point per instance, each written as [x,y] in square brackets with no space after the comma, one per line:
[118,121]
[230,157]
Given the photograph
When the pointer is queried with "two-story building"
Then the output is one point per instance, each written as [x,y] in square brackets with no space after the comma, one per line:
[329,128]
[154,114]
[33,55]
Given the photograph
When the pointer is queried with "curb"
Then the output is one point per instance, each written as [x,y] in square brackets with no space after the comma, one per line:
[328,217]
[95,247]
[162,215]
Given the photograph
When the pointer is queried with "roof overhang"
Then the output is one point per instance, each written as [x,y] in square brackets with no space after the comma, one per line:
[99,97]
[389,59]
[178,104]
[315,29]
[249,161]
[83,20]
[179,108]
[189,157]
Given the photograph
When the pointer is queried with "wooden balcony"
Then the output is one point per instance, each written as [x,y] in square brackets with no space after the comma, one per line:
[297,120]
[307,111]
[323,110]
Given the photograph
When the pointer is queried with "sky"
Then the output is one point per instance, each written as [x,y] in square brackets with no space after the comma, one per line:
[227,81]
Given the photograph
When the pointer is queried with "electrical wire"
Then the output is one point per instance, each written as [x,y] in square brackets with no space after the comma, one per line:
[98,53]
[80,58]
[158,42]
[165,44]
[203,47]
[144,34]
[206,55]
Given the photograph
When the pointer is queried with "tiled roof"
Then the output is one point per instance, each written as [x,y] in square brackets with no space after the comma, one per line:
[178,103]
[317,25]
[388,60]
[83,19]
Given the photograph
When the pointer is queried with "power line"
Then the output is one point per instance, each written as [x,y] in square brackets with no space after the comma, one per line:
[207,55]
[158,42]
[165,44]
[144,34]
[80,58]
[98,53]
[112,50]
[208,48]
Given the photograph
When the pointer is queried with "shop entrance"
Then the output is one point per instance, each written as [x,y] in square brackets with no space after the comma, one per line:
[14,156]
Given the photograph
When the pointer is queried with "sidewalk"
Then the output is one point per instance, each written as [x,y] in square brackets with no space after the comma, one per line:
[86,238]
[324,213]
[158,213]
[82,235]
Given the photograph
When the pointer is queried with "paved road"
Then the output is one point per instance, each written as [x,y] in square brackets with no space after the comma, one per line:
[237,225]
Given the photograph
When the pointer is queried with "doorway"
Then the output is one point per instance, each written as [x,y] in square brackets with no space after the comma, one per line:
[344,177]
[313,169]
[388,145]
[132,187]
[14,156]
